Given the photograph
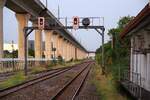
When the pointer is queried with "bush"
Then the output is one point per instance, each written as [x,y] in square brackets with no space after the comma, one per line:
[14,80]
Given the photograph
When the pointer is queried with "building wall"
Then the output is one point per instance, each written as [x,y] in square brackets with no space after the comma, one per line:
[140,57]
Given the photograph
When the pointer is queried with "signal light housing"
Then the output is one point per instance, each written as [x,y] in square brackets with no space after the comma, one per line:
[76,21]
[86,22]
[41,22]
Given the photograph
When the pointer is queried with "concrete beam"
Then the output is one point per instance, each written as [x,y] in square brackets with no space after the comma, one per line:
[2,4]
[22,22]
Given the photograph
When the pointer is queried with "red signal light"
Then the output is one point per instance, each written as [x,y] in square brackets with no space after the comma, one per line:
[75,22]
[41,22]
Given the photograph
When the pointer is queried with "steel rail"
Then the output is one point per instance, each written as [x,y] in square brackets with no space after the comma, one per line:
[80,86]
[70,82]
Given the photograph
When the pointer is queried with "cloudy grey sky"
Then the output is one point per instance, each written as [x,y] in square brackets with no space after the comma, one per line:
[111,10]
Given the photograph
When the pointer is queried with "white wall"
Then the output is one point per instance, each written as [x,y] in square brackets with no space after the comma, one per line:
[139,62]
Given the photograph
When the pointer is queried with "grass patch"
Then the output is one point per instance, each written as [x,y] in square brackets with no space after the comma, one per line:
[106,86]
[14,80]
[37,69]
[64,64]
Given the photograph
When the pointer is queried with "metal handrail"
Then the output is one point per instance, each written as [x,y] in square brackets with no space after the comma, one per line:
[132,82]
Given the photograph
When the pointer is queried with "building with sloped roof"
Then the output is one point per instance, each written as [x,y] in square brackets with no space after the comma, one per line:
[137,78]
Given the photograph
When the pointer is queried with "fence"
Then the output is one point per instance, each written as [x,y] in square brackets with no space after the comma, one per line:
[11,65]
[132,82]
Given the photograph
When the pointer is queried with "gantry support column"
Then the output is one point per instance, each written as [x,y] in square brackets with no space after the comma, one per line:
[22,22]
[38,44]
[48,46]
[2,4]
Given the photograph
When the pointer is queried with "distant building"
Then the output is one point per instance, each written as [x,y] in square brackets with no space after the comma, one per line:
[91,55]
[8,46]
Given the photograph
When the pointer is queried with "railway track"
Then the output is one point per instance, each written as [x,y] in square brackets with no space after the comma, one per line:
[20,89]
[72,88]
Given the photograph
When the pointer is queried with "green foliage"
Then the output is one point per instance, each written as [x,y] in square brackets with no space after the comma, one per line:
[116,54]
[60,60]
[13,54]
[37,69]
[31,53]
[124,21]
[106,87]
[14,80]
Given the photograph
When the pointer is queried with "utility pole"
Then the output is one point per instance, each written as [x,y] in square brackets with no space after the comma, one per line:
[58,12]
[46,3]
[103,56]
[12,45]
[103,59]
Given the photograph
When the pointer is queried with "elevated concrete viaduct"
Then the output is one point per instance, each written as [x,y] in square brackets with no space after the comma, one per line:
[29,10]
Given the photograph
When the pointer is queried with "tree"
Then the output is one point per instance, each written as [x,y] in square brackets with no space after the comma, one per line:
[118,54]
[31,53]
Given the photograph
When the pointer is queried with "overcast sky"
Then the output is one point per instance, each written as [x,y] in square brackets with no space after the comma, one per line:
[111,10]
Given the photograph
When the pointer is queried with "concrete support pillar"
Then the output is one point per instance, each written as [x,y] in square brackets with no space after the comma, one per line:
[61,46]
[78,53]
[55,44]
[74,52]
[66,50]
[48,46]
[38,44]
[58,46]
[22,22]
[2,4]
[70,50]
